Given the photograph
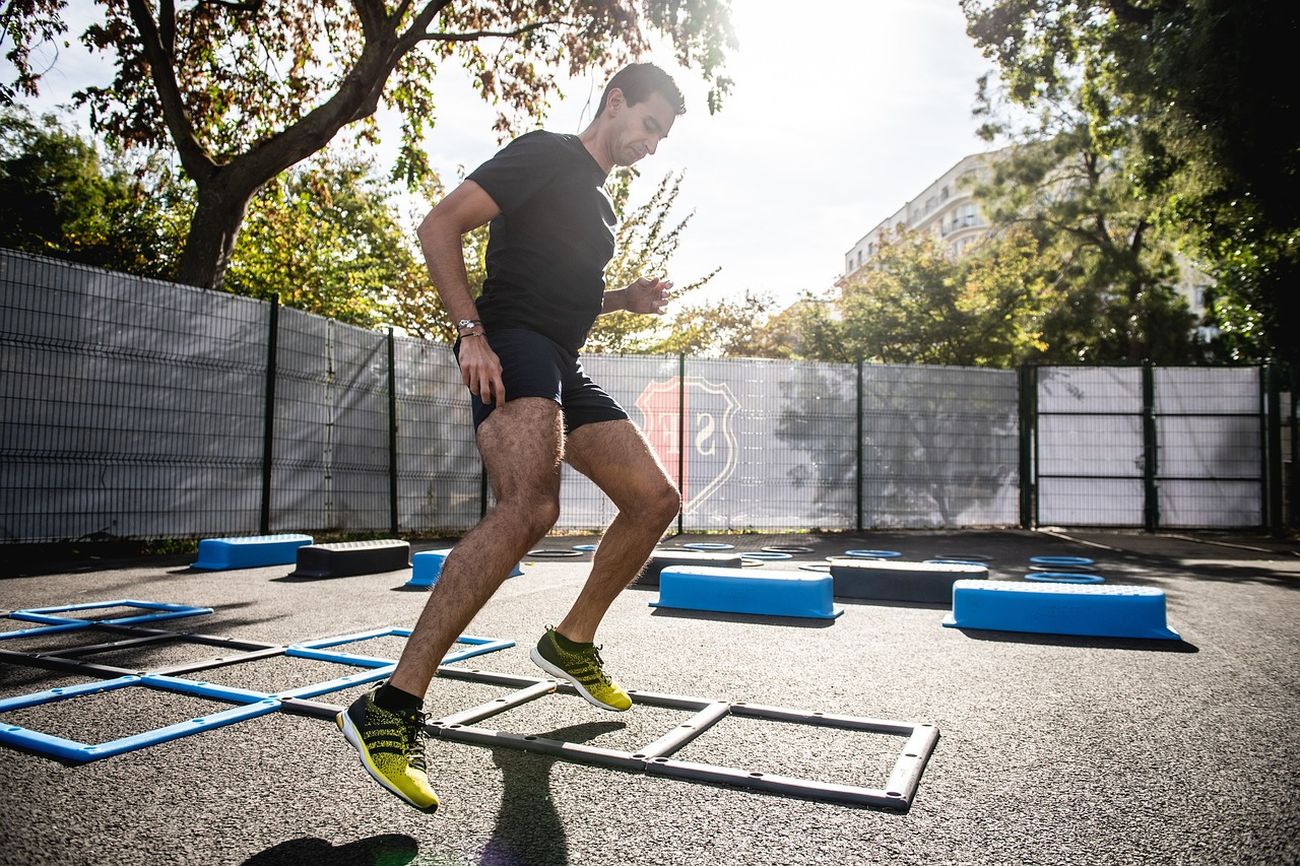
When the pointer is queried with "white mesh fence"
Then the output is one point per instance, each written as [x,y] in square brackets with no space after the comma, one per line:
[137,409]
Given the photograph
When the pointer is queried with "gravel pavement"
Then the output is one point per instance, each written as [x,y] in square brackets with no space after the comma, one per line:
[1052,750]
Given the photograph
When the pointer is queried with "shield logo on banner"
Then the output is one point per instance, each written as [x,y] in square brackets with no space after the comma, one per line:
[710,455]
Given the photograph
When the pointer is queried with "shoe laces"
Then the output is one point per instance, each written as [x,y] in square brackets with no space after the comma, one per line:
[600,664]
[413,729]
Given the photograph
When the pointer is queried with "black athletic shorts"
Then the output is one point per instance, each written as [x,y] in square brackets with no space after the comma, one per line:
[536,366]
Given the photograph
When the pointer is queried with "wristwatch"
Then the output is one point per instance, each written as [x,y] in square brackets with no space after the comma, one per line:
[470,328]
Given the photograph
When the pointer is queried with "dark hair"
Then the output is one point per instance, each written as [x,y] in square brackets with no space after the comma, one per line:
[638,81]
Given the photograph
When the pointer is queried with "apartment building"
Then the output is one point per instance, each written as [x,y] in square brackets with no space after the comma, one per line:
[946,208]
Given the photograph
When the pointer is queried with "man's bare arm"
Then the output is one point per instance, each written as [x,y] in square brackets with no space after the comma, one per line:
[465,209]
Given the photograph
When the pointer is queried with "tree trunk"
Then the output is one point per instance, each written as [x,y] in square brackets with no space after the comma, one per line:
[213,229]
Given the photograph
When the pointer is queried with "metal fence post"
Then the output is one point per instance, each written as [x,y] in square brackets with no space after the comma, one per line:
[857,476]
[1273,480]
[1150,455]
[681,439]
[1028,385]
[392,433]
[268,418]
[1295,440]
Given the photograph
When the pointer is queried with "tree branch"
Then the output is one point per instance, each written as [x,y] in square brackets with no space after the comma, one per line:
[357,96]
[194,156]
[167,26]
[374,21]
[481,34]
[421,23]
[247,6]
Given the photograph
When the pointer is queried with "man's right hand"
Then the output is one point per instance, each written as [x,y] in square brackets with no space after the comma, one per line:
[480,370]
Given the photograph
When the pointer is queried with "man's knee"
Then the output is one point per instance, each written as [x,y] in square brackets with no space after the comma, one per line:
[662,503]
[533,514]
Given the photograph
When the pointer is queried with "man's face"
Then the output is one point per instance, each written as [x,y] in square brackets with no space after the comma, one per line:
[639,128]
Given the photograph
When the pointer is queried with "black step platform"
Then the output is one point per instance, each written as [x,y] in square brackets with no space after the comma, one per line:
[349,558]
[661,559]
[922,582]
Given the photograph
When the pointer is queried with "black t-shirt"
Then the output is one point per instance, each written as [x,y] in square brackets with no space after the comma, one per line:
[548,248]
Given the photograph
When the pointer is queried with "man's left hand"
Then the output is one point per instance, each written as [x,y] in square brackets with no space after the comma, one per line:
[647,296]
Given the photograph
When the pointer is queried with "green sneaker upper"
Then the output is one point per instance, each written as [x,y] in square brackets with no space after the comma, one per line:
[582,666]
[390,747]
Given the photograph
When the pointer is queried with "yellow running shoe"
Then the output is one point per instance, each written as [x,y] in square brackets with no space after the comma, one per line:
[390,748]
[580,664]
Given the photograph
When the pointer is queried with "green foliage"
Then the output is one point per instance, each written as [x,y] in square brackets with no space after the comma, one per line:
[61,202]
[1198,89]
[327,238]
[905,309]
[1011,300]
[1067,185]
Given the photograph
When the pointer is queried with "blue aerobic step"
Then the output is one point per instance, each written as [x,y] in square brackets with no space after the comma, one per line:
[1060,608]
[730,590]
[880,580]
[661,559]
[427,565]
[220,554]
[348,558]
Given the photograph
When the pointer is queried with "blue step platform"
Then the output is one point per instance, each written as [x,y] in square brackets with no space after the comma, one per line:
[1060,608]
[731,590]
[253,551]
[917,582]
[661,559]
[427,565]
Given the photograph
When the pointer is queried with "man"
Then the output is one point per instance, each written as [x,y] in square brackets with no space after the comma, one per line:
[549,241]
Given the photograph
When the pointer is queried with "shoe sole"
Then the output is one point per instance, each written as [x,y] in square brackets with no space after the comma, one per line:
[554,671]
[353,736]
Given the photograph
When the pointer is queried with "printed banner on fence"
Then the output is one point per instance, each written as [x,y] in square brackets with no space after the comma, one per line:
[710,455]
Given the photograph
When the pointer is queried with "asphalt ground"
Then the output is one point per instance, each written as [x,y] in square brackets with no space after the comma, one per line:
[1052,749]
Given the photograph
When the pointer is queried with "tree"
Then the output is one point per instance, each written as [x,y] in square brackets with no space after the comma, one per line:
[1203,84]
[61,201]
[242,91]
[902,310]
[327,238]
[1066,183]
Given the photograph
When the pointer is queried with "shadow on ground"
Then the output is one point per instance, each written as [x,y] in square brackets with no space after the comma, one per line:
[1064,640]
[528,828]
[390,849]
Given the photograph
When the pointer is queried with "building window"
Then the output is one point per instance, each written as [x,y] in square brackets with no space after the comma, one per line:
[943,196]
[859,258]
[969,215]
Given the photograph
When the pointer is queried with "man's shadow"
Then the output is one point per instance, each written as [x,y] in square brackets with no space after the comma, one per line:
[528,829]
[390,849]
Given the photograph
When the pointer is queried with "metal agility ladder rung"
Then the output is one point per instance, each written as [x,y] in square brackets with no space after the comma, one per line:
[656,758]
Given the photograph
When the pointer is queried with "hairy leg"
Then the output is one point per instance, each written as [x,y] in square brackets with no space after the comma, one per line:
[617,457]
[522,443]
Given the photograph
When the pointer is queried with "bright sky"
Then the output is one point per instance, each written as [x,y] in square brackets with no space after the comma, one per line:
[838,116]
